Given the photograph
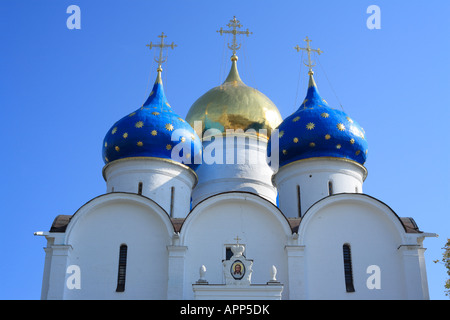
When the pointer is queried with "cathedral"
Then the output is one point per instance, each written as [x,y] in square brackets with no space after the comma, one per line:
[234,202]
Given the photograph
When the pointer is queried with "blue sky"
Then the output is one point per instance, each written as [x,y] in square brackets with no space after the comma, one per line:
[62,89]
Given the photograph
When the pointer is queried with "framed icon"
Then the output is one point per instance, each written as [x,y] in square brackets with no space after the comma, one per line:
[237,270]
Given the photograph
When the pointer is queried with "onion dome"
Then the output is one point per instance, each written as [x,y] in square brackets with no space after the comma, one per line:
[234,105]
[316,130]
[153,130]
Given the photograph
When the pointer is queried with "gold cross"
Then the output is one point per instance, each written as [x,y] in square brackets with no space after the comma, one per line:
[234,24]
[237,239]
[161,46]
[309,50]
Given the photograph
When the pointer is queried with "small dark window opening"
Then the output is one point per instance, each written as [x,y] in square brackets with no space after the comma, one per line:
[348,268]
[140,188]
[172,195]
[330,188]
[122,268]
[299,202]
[228,253]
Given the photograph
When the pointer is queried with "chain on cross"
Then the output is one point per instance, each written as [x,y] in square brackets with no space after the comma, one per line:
[234,25]
[309,50]
[160,60]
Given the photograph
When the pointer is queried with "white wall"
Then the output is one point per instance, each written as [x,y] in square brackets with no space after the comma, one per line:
[217,221]
[161,265]
[161,180]
[374,234]
[312,176]
[238,163]
[96,235]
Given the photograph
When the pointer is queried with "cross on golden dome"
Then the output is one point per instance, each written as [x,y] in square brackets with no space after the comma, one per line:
[308,51]
[160,60]
[234,24]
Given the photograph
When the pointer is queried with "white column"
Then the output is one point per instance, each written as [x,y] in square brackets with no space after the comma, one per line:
[416,287]
[296,271]
[57,265]
[177,255]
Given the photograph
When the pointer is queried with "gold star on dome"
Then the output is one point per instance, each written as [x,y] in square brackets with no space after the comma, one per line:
[349,120]
[310,126]
[338,146]
[181,119]
[117,148]
[106,144]
[114,130]
[295,140]
[154,132]
[296,119]
[358,152]
[155,113]
[312,144]
[281,134]
[352,141]
[182,139]
[168,147]
[324,115]
[139,124]
[139,143]
[125,135]
[169,127]
[284,151]
[340,126]
[327,137]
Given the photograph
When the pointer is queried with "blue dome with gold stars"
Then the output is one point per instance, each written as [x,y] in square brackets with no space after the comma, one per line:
[316,130]
[153,130]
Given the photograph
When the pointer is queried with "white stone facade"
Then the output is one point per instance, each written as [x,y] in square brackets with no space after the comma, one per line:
[168,241]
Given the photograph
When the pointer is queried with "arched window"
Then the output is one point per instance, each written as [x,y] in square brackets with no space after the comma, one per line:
[348,268]
[122,268]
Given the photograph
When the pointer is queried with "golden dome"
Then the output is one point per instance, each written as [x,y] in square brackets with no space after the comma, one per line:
[234,105]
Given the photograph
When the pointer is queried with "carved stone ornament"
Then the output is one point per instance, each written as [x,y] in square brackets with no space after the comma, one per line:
[238,270]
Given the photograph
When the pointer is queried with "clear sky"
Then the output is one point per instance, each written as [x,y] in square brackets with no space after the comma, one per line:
[62,89]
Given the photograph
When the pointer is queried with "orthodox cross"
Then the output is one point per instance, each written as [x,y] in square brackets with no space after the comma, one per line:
[309,50]
[161,46]
[237,239]
[234,24]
